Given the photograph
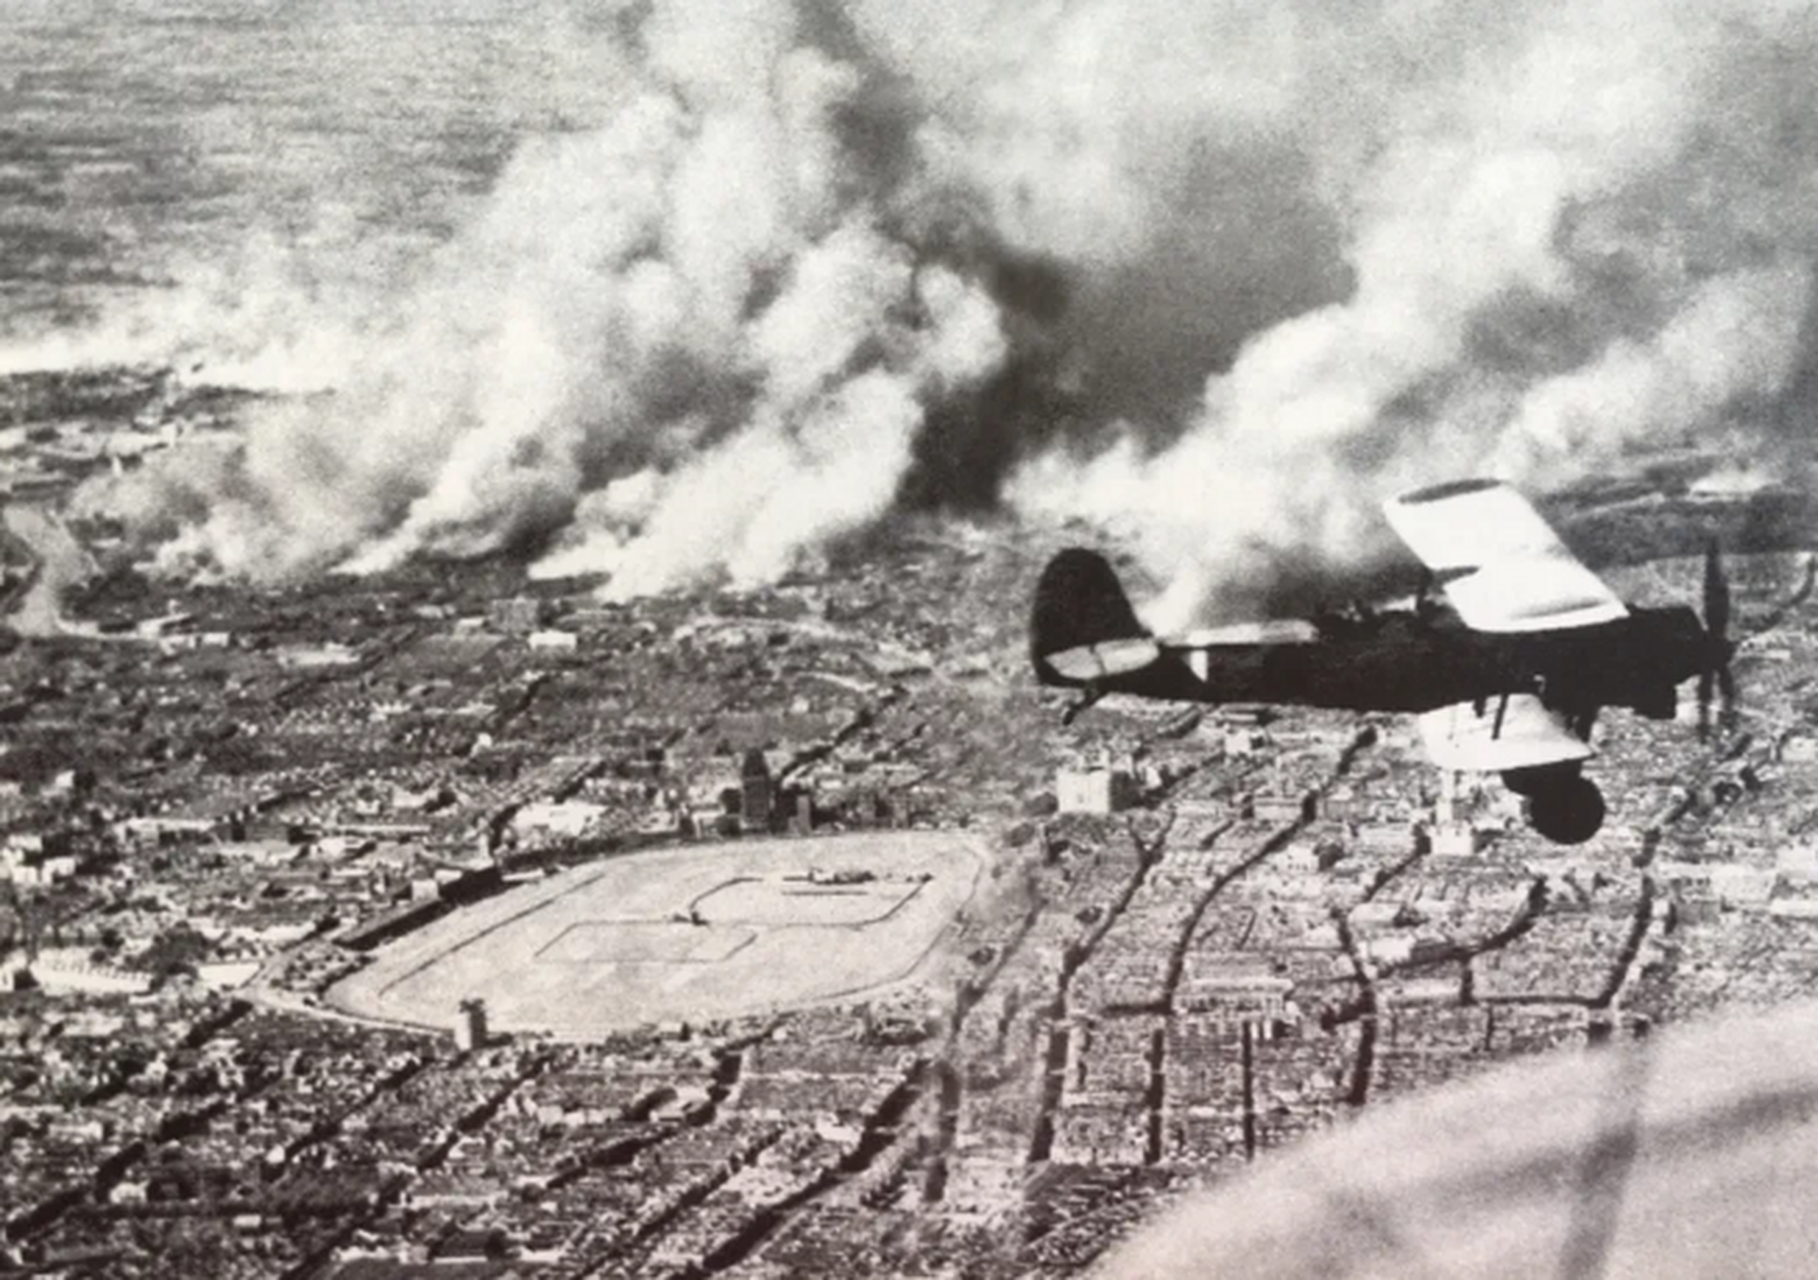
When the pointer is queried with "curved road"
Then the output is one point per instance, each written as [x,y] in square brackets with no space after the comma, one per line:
[61,562]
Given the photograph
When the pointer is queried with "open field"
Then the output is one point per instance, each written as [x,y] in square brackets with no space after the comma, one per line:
[698,933]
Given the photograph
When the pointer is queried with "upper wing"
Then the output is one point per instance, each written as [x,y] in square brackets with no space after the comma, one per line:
[1521,735]
[1501,566]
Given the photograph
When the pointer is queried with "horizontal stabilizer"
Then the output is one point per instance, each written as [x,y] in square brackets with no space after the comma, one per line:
[1089,662]
[1522,735]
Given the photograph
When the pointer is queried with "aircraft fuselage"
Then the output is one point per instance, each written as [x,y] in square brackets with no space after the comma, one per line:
[1417,661]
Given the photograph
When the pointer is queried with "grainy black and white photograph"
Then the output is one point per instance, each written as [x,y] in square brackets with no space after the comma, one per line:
[908,638]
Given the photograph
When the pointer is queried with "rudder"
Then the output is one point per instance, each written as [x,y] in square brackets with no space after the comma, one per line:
[1078,602]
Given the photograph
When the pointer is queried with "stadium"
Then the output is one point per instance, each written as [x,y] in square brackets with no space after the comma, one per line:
[702,933]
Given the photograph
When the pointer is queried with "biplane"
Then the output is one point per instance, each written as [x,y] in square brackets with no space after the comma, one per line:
[1510,649]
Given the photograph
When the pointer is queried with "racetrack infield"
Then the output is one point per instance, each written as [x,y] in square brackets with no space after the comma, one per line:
[695,933]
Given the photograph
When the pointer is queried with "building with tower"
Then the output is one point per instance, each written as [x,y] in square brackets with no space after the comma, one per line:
[470,1026]
[757,792]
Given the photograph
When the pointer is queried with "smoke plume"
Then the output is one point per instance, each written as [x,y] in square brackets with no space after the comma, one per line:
[1222,279]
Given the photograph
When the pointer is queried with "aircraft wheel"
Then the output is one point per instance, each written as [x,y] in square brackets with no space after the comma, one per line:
[1569,811]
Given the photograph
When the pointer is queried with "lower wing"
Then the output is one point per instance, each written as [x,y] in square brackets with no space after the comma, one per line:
[1500,734]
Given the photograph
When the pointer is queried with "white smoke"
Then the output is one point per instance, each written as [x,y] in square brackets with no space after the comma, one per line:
[1527,301]
[1225,278]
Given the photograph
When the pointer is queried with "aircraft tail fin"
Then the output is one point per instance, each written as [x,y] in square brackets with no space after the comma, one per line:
[1082,625]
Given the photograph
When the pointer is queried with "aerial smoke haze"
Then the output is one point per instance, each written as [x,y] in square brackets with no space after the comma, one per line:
[1589,233]
[1220,280]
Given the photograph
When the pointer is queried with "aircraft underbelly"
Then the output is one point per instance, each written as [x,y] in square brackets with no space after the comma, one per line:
[1402,667]
[1407,675]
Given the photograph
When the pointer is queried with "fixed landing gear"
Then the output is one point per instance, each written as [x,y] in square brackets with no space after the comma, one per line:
[1567,810]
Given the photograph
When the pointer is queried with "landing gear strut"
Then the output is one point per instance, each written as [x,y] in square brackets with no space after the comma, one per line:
[1567,810]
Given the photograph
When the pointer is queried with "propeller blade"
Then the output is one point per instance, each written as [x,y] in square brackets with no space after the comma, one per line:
[1716,594]
[1718,649]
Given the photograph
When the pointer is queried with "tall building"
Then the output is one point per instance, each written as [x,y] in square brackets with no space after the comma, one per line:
[1100,790]
[757,792]
[470,1026]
